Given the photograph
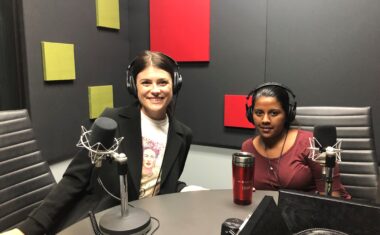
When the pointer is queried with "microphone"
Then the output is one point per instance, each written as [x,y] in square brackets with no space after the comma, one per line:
[101,144]
[325,150]
[100,141]
[103,132]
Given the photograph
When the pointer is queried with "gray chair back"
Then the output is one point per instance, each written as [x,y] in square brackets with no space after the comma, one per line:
[25,178]
[359,172]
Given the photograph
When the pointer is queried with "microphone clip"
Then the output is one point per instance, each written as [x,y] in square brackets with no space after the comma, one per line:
[97,152]
[318,152]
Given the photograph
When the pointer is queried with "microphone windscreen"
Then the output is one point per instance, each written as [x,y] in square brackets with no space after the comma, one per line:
[103,131]
[326,135]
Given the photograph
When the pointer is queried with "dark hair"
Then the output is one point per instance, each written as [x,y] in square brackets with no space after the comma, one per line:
[280,94]
[146,59]
[152,58]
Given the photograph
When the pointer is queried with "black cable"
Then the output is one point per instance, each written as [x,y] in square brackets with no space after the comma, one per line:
[158,177]
[158,224]
[94,224]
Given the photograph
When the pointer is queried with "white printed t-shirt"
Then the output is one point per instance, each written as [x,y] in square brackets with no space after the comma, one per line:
[154,137]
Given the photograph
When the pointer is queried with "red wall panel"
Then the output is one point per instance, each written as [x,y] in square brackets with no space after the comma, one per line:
[181,29]
[234,111]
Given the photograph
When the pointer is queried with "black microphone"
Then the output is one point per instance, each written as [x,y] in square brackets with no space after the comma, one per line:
[327,138]
[100,141]
[103,132]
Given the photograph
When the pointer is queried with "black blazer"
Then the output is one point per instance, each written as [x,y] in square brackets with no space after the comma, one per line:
[78,191]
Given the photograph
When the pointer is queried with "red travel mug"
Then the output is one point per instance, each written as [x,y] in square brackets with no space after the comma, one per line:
[242,177]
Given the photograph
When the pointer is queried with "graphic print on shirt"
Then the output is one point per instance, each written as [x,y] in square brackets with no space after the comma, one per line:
[153,152]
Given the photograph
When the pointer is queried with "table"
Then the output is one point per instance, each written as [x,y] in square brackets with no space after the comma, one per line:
[197,212]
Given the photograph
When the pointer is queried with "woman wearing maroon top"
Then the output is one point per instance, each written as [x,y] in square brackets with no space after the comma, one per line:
[282,154]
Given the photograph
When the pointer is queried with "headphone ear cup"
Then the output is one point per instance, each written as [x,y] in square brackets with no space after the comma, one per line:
[131,86]
[249,108]
[177,82]
[292,112]
[249,113]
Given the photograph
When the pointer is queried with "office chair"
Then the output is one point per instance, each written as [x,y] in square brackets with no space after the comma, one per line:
[358,169]
[25,178]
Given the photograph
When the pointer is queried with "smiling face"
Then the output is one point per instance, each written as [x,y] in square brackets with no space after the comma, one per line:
[154,91]
[269,117]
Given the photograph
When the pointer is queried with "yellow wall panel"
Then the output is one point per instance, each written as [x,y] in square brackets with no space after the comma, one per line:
[58,61]
[99,97]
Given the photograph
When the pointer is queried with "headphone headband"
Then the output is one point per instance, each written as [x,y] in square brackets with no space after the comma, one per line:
[274,84]
[291,112]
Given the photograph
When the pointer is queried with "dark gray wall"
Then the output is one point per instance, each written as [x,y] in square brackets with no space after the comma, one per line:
[237,47]
[101,58]
[237,62]
[327,51]
[11,82]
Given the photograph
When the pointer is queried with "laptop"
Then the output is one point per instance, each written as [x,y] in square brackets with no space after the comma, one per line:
[303,211]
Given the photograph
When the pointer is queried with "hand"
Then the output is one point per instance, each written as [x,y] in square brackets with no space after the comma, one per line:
[14,231]
[190,188]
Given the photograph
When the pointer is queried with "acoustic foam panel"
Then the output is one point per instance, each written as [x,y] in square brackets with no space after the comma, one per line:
[58,61]
[234,111]
[107,14]
[181,29]
[99,98]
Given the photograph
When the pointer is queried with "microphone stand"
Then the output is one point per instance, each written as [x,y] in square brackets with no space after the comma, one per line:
[329,165]
[327,158]
[124,220]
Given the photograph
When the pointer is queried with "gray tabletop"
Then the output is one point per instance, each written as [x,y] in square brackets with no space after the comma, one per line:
[199,212]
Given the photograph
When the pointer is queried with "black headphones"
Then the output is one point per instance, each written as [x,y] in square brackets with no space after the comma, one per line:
[131,81]
[291,114]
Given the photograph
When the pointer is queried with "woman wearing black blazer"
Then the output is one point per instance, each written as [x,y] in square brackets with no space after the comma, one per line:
[153,78]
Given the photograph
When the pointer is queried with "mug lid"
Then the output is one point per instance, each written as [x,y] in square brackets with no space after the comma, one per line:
[243,157]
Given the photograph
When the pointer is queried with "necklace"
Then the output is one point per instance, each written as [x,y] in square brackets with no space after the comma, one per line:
[271,168]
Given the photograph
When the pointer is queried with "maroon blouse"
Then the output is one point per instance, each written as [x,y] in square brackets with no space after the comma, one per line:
[293,170]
